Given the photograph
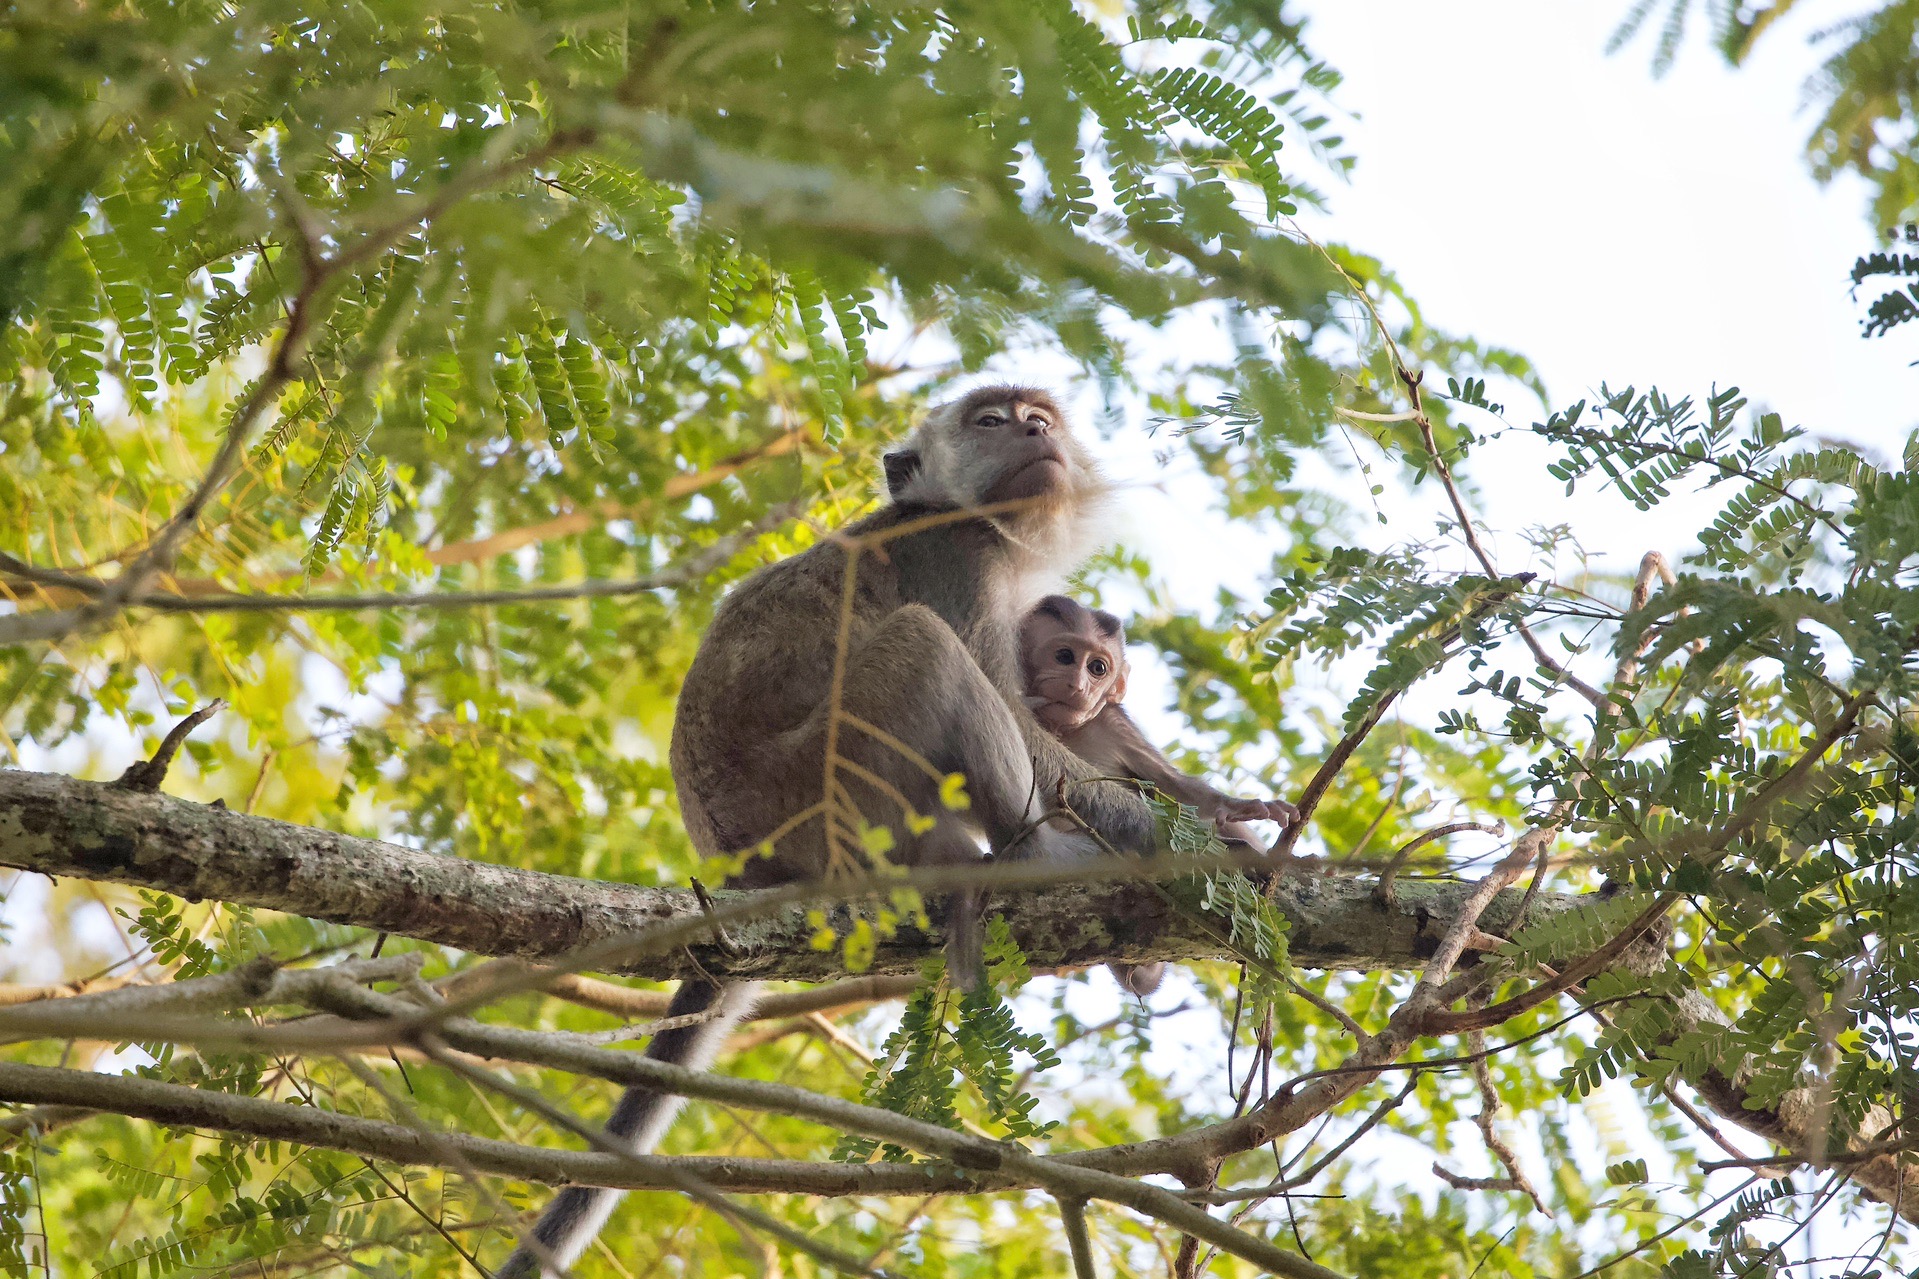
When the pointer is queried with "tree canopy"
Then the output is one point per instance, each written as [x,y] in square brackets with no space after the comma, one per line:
[403,383]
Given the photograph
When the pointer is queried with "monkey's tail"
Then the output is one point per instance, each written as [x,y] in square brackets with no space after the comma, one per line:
[576,1214]
[966,939]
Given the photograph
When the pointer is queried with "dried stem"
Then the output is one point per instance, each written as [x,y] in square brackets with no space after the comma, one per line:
[147,774]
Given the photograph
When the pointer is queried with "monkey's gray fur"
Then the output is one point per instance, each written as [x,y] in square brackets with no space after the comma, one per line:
[932,662]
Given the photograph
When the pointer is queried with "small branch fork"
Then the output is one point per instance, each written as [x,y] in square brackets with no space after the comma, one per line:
[149,773]
[1489,1104]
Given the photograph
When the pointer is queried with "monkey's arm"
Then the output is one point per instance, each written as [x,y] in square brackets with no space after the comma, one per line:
[1112,741]
[1113,809]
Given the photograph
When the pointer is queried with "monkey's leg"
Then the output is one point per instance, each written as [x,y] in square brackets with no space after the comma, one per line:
[914,682]
[1114,809]
[916,707]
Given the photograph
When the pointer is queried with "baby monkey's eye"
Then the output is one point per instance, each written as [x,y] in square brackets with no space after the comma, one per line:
[1064,657]
[1098,667]
[990,419]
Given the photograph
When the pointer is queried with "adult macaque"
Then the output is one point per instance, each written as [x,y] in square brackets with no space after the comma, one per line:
[1073,662]
[991,497]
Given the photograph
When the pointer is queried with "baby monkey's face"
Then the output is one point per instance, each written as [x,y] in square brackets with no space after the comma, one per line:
[1074,662]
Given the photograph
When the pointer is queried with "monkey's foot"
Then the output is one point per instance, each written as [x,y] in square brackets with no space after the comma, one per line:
[1050,844]
[1141,979]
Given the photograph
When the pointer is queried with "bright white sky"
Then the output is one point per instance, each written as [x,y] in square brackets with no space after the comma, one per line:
[1533,192]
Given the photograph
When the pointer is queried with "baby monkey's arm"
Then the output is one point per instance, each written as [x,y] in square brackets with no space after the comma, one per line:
[1112,741]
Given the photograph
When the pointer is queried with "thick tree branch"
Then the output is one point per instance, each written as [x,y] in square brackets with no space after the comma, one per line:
[60,826]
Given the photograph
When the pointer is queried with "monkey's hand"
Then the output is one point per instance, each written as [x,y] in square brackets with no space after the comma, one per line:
[1256,810]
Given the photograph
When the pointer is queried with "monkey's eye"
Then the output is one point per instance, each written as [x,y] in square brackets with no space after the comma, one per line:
[1098,667]
[1038,419]
[1064,657]
[990,419]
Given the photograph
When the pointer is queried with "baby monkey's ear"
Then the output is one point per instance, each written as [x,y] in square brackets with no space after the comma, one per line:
[1113,631]
[902,465]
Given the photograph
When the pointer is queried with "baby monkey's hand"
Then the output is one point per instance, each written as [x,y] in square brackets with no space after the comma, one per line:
[1256,810]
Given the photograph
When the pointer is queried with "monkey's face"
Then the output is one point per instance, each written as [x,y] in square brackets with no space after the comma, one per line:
[1072,671]
[1019,441]
[996,444]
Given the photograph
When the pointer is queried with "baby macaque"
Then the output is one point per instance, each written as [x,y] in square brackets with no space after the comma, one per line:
[1073,668]
[1073,663]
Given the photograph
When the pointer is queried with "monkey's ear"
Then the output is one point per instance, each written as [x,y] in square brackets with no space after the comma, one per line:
[901,466]
[1119,680]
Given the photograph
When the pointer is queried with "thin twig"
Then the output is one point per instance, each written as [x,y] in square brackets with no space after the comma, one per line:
[697,566]
[147,774]
[1286,1185]
[1546,660]
[1383,890]
[448,1151]
[739,1215]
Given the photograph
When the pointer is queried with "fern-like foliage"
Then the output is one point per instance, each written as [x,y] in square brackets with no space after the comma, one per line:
[947,1039]
[17,1198]
[567,277]
[1644,445]
[1639,1024]
[1234,116]
[1896,305]
[236,1226]
[1355,596]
